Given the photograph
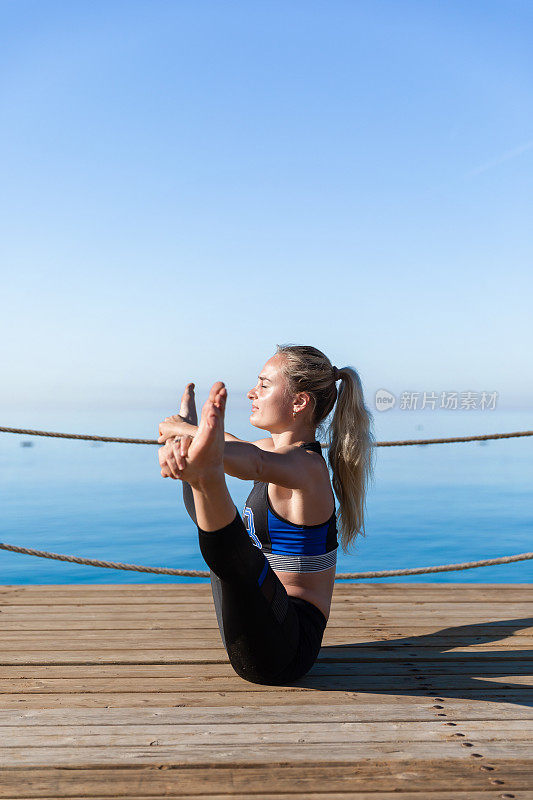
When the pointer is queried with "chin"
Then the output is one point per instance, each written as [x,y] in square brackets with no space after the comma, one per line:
[256,424]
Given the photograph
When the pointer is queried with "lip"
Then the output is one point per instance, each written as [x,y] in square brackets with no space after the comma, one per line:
[254,408]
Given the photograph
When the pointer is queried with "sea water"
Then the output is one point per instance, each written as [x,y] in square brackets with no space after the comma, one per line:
[427,505]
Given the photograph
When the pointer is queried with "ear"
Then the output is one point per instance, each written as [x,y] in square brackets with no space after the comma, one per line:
[301,401]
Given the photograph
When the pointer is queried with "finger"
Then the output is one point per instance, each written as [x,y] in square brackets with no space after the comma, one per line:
[185,443]
[172,466]
[165,436]
[184,451]
[165,472]
[178,463]
[180,459]
[162,455]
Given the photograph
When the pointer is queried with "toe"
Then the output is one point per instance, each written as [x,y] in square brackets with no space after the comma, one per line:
[220,400]
[215,389]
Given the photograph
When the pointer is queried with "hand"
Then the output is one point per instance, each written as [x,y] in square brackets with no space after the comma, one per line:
[172,457]
[172,427]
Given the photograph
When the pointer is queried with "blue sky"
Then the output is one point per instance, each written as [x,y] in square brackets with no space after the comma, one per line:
[186,184]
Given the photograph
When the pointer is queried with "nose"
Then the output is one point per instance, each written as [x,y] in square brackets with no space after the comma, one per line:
[251,394]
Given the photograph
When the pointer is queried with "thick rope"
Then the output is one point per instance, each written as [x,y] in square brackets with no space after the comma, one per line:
[195,573]
[202,574]
[28,432]
[404,442]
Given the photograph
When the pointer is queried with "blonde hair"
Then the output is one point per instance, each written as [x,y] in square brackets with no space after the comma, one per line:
[349,433]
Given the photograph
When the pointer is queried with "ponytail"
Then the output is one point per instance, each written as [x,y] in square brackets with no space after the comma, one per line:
[350,455]
[349,433]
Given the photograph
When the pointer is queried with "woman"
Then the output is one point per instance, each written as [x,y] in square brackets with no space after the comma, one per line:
[273,580]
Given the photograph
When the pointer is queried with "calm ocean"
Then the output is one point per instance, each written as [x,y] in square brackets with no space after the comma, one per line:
[428,505]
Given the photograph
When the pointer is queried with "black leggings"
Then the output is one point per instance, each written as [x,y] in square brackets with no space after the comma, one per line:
[270,637]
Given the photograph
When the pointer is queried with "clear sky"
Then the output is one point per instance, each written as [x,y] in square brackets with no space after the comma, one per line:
[186,184]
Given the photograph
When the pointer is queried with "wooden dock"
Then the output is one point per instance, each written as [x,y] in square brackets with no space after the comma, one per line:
[420,691]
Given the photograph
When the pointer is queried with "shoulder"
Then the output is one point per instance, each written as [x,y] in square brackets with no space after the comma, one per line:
[296,453]
[291,467]
[265,444]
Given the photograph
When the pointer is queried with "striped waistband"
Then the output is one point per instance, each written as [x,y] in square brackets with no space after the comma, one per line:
[289,563]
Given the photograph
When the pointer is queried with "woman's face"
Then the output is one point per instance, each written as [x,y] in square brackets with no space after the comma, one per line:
[271,403]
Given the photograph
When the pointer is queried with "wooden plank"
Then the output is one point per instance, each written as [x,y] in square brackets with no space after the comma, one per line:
[362,626]
[190,593]
[474,667]
[255,695]
[430,795]
[337,636]
[340,627]
[359,619]
[333,642]
[197,655]
[287,732]
[134,623]
[396,608]
[341,589]
[364,623]
[193,681]
[258,753]
[140,601]
[401,710]
[396,775]
[79,640]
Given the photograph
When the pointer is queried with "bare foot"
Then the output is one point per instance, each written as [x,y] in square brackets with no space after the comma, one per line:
[204,459]
[174,425]
[188,405]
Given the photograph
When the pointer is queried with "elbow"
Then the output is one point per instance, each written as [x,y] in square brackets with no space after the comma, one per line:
[243,460]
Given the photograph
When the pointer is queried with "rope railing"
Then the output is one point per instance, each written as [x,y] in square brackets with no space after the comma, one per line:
[203,574]
[401,443]
[195,573]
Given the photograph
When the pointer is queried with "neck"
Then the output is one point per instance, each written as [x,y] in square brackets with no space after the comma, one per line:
[297,435]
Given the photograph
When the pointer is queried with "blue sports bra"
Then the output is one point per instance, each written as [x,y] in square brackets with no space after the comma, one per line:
[289,547]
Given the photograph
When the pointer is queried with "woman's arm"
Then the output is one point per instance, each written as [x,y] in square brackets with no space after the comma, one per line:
[291,467]
[179,425]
